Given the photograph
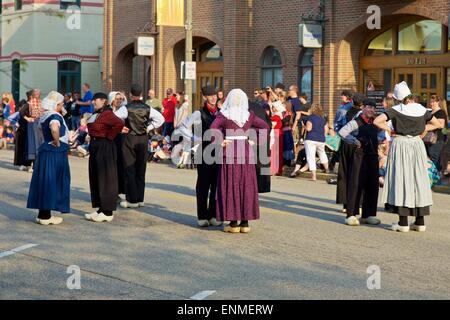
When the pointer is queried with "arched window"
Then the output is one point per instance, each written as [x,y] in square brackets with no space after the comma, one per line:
[416,37]
[381,45]
[212,52]
[271,69]
[69,76]
[305,73]
[420,37]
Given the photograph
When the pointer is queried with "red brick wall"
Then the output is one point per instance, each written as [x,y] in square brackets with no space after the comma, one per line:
[244,28]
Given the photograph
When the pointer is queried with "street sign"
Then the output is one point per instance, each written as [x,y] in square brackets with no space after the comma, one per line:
[379,97]
[145,46]
[188,70]
[310,35]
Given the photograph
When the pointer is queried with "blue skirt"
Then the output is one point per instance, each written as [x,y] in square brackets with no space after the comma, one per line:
[34,140]
[50,184]
[288,145]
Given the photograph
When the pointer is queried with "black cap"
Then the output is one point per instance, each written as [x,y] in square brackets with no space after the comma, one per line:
[100,95]
[358,99]
[136,90]
[208,91]
[346,93]
[370,102]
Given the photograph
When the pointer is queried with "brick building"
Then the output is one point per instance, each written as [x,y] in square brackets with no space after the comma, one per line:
[249,43]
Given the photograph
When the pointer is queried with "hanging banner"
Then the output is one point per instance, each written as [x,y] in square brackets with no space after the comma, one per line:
[170,13]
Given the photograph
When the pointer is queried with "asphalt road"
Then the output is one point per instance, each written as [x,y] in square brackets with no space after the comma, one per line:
[300,249]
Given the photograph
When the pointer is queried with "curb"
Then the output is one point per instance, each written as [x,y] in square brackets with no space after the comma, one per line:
[442,189]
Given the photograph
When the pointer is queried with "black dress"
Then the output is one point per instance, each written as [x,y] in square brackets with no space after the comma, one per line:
[20,150]
[434,150]
[263,178]
[103,128]
[346,152]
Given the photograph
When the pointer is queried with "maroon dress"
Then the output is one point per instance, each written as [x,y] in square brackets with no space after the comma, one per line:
[237,190]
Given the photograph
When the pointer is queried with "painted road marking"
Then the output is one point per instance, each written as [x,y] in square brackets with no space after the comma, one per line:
[202,295]
[18,249]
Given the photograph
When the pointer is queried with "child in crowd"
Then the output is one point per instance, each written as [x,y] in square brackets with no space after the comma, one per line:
[9,136]
[6,136]
[80,134]
[332,143]
[154,146]
[186,151]
[163,151]
[84,148]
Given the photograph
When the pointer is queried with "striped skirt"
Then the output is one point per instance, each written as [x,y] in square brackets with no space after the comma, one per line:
[407,183]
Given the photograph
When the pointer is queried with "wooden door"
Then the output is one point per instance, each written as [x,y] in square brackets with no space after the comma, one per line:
[422,81]
[429,83]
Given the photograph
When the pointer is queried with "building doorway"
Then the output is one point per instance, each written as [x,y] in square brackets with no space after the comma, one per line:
[410,49]
[209,64]
[209,68]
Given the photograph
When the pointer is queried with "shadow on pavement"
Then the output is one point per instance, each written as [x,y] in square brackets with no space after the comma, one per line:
[172,187]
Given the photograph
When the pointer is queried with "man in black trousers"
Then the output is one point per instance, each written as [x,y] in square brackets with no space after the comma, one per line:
[141,119]
[363,175]
[206,172]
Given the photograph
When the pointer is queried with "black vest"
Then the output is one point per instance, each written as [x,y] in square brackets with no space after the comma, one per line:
[351,113]
[207,120]
[368,136]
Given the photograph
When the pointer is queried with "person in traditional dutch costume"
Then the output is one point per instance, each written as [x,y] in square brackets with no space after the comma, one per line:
[237,189]
[363,175]
[407,185]
[50,183]
[103,127]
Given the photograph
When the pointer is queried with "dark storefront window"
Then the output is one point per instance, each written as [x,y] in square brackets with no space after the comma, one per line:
[17,5]
[305,73]
[69,76]
[271,69]
[65,4]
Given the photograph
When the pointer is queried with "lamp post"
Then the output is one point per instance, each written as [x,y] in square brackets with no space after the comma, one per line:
[188,53]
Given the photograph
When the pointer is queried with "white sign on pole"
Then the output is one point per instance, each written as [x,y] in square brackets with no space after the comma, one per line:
[145,46]
[310,35]
[188,70]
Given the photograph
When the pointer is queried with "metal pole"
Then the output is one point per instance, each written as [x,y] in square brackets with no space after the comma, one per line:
[188,57]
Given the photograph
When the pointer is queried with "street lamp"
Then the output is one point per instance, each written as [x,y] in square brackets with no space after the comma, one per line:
[188,53]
